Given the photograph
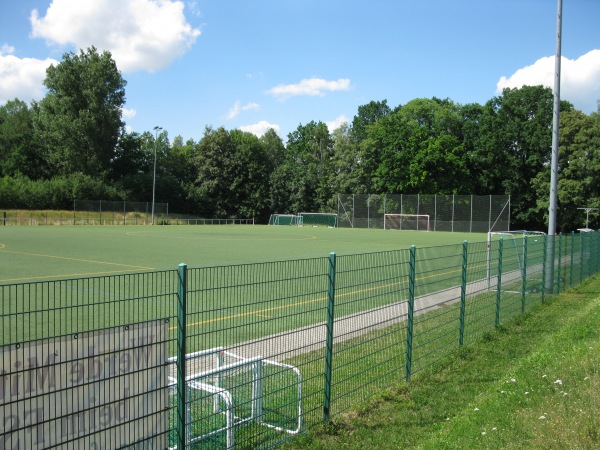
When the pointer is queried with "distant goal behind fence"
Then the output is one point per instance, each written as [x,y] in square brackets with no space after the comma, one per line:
[461,213]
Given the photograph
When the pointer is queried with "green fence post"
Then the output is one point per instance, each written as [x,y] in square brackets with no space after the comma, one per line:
[592,261]
[524,286]
[181,352]
[590,245]
[329,338]
[544,265]
[499,283]
[580,257]
[572,254]
[463,295]
[559,260]
[595,250]
[411,311]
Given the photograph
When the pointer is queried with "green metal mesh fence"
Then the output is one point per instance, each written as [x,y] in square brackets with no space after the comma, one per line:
[75,354]
[256,354]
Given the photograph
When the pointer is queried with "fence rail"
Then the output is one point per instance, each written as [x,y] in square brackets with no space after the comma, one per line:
[118,360]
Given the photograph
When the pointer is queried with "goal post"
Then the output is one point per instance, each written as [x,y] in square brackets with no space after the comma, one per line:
[412,222]
[283,219]
[318,219]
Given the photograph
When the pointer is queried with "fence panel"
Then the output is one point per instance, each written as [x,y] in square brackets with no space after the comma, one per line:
[438,280]
[483,281]
[370,325]
[258,315]
[89,356]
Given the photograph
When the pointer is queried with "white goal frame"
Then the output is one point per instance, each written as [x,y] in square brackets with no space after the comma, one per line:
[418,218]
[211,374]
[275,219]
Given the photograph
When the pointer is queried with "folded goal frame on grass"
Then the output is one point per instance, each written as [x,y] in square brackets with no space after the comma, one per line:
[226,390]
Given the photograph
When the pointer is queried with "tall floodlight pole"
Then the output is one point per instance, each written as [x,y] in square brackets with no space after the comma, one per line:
[549,282]
[156,130]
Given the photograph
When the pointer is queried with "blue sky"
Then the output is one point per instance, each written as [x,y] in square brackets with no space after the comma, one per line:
[253,64]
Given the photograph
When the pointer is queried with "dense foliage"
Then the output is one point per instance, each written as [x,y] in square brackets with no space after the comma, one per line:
[73,145]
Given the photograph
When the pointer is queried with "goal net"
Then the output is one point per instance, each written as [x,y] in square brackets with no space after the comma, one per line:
[521,251]
[283,219]
[414,222]
[318,219]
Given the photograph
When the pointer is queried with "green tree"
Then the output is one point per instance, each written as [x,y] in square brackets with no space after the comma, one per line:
[347,163]
[515,146]
[367,115]
[418,149]
[578,174]
[273,147]
[19,152]
[130,158]
[80,116]
[309,154]
[232,175]
[250,185]
[179,173]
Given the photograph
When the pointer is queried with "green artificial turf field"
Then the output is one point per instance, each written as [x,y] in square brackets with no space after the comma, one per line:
[46,253]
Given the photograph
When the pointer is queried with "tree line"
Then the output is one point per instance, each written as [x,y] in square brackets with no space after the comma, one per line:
[73,144]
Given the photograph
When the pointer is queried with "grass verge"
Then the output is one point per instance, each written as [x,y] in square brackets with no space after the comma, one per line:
[532,384]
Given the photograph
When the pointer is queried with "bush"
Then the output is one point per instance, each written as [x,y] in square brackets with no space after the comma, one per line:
[20,192]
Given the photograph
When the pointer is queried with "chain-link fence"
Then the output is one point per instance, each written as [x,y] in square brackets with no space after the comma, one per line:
[104,212]
[461,213]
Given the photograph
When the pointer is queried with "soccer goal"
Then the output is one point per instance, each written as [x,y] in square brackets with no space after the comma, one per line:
[513,256]
[318,219]
[414,222]
[283,219]
[226,390]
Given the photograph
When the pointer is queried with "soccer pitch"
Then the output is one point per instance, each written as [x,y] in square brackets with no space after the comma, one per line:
[43,253]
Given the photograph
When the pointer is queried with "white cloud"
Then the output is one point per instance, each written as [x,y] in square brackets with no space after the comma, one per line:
[6,49]
[237,108]
[128,113]
[22,78]
[194,8]
[140,34]
[336,123]
[580,79]
[260,128]
[309,86]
